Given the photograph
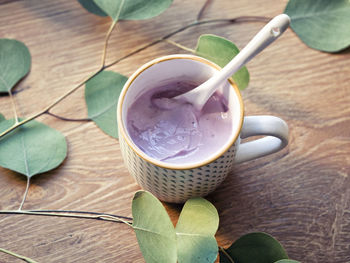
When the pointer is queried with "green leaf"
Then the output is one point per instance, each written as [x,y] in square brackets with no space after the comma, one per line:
[132,10]
[192,240]
[15,63]
[221,51]
[254,248]
[321,24]
[101,96]
[90,6]
[195,230]
[32,148]
[154,231]
[2,118]
[287,261]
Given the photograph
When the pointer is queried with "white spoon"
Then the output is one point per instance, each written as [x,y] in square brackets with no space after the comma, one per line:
[271,31]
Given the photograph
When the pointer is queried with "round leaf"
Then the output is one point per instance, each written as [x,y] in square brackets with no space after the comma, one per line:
[31,149]
[221,51]
[321,24]
[90,6]
[254,248]
[101,96]
[133,10]
[154,231]
[195,230]
[192,240]
[15,63]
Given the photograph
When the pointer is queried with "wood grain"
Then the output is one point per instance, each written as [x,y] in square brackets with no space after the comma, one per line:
[300,195]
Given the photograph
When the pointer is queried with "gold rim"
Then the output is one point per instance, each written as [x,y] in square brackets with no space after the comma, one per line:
[141,154]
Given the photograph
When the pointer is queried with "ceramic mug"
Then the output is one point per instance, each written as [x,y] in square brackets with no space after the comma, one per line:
[176,182]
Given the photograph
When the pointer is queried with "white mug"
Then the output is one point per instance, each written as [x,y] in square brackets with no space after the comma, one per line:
[176,182]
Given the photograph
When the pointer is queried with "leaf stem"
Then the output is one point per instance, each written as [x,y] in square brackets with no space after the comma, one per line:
[14,107]
[71,214]
[66,119]
[179,46]
[26,259]
[223,251]
[108,35]
[25,194]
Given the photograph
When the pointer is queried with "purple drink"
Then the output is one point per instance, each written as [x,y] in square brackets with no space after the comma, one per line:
[173,131]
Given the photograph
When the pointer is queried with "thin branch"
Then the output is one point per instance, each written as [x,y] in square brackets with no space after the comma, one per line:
[81,212]
[66,119]
[70,92]
[45,110]
[181,29]
[193,24]
[108,35]
[97,216]
[251,19]
[25,194]
[223,20]
[14,107]
[201,11]
[223,251]
[134,52]
[26,259]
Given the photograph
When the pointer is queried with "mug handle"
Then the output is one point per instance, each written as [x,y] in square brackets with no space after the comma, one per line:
[276,130]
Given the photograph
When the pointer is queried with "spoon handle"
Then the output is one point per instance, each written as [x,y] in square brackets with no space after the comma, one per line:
[271,31]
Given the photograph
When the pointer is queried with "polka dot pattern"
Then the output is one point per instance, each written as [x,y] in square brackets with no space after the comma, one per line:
[176,186]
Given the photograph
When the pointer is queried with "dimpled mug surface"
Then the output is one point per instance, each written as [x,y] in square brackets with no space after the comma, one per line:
[178,182]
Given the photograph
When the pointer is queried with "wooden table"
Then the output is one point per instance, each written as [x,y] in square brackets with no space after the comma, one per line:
[300,195]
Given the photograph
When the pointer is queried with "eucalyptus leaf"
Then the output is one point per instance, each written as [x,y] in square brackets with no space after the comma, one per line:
[287,261]
[31,149]
[15,63]
[132,10]
[321,24]
[90,6]
[154,231]
[192,240]
[101,96]
[254,248]
[221,51]
[195,230]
